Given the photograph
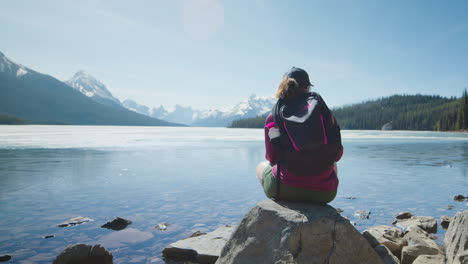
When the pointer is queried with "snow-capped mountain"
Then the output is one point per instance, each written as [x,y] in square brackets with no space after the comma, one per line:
[13,69]
[251,107]
[93,88]
[136,107]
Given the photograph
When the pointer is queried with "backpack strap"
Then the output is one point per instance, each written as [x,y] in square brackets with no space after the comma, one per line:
[277,119]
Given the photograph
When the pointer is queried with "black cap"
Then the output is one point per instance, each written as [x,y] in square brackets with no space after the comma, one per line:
[300,75]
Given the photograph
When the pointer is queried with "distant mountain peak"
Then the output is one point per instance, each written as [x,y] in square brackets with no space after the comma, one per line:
[12,68]
[92,87]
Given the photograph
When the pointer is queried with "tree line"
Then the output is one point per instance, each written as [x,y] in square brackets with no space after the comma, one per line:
[400,112]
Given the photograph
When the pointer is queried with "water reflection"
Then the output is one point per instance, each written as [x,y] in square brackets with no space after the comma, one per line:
[200,186]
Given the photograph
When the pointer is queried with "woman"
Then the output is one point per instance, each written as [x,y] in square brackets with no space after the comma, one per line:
[307,166]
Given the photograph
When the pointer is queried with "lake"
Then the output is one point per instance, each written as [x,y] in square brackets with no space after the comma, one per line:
[196,179]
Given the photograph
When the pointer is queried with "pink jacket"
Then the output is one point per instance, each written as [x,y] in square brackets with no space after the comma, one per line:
[325,181]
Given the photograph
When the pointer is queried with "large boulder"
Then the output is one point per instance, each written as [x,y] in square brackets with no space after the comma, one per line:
[386,255]
[429,259]
[426,223]
[296,233]
[410,253]
[418,237]
[199,247]
[391,237]
[84,254]
[456,239]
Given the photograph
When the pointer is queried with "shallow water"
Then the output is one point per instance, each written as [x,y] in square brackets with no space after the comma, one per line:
[195,179]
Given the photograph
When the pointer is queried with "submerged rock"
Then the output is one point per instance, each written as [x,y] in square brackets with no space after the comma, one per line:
[199,247]
[456,239]
[117,224]
[296,233]
[459,198]
[161,226]
[125,238]
[75,221]
[84,254]
[362,214]
[5,258]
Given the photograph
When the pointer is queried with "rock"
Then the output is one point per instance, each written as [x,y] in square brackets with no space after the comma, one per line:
[339,210]
[456,237]
[161,226]
[117,224]
[5,258]
[461,258]
[403,215]
[84,254]
[371,239]
[418,237]
[197,233]
[391,237]
[204,248]
[296,233]
[410,253]
[429,259]
[445,221]
[459,198]
[75,221]
[427,223]
[386,255]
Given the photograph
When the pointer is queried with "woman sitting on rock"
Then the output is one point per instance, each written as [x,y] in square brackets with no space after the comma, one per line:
[303,144]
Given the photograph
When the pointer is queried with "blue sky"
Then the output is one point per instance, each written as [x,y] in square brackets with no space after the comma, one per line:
[213,53]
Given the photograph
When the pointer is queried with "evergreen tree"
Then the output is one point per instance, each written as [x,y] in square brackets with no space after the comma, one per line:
[465,110]
[404,112]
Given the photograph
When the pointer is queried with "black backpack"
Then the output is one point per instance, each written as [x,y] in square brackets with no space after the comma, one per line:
[310,137]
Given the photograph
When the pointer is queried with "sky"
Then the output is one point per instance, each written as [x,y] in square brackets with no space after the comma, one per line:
[214,53]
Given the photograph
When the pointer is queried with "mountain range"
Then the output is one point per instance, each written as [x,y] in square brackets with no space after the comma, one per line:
[83,99]
[37,98]
[251,107]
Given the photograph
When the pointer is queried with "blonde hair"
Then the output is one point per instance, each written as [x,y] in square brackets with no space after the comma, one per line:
[289,88]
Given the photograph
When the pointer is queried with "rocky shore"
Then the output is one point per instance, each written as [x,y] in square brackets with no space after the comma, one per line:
[282,232]
[302,233]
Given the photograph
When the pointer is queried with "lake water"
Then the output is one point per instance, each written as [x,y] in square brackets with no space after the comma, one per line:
[195,179]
